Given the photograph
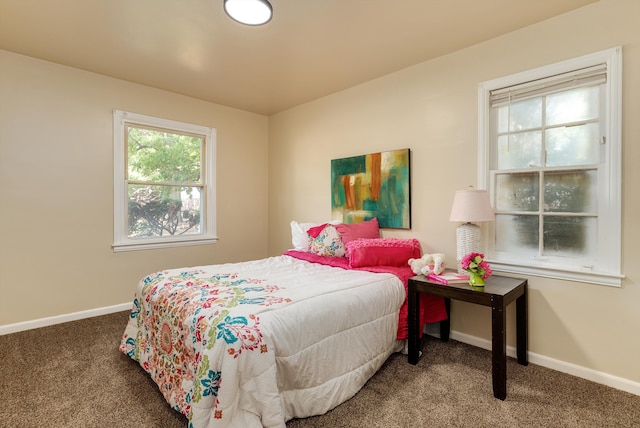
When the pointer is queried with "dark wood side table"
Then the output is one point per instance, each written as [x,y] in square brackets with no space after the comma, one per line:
[498,292]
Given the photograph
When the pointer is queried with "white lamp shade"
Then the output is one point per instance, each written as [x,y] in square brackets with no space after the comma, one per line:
[471,206]
[249,12]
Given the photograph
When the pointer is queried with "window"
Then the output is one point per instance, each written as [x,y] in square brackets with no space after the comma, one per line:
[164,183]
[550,156]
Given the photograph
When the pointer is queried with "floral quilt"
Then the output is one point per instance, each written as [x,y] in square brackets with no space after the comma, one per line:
[206,335]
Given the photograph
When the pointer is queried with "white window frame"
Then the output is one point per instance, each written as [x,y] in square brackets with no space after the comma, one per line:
[608,269]
[121,240]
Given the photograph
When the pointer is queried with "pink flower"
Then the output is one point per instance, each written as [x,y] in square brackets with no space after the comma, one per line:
[487,269]
[474,262]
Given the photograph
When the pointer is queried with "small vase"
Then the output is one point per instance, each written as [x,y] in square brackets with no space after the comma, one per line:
[475,280]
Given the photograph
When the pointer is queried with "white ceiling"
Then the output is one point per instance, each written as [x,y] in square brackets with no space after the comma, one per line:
[311,48]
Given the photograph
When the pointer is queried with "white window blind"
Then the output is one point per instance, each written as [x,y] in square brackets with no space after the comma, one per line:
[588,76]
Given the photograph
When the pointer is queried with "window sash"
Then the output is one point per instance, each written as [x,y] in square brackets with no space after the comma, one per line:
[541,89]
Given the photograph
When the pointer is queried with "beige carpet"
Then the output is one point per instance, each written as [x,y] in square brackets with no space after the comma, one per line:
[72,375]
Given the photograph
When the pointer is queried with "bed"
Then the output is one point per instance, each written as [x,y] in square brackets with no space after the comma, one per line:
[258,343]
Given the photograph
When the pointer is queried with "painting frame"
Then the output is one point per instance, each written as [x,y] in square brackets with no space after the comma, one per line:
[373,185]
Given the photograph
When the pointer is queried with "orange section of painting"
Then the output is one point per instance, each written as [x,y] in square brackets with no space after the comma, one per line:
[349,196]
[376,175]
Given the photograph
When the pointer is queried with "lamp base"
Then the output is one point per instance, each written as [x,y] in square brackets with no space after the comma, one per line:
[467,241]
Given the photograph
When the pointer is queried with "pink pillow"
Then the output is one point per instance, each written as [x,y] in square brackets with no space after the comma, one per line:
[382,252]
[365,230]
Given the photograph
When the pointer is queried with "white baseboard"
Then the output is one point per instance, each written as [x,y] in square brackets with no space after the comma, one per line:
[561,366]
[44,322]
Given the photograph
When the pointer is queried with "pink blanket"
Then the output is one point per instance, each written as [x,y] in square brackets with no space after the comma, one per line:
[432,308]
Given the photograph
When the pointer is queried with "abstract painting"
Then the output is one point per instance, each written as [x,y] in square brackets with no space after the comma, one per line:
[373,185]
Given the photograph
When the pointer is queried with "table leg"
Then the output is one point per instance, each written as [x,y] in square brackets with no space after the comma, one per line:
[498,350]
[522,328]
[414,324]
[445,325]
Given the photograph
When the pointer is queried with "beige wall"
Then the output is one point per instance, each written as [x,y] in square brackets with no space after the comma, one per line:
[56,188]
[431,108]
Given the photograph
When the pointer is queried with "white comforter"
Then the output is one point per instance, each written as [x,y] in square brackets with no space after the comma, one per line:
[258,343]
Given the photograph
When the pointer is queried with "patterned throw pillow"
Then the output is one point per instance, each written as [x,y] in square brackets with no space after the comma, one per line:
[327,243]
[299,237]
[299,233]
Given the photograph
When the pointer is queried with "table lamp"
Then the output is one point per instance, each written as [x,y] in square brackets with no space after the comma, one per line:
[469,206]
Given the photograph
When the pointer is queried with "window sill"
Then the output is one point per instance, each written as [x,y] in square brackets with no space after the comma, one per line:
[600,278]
[134,246]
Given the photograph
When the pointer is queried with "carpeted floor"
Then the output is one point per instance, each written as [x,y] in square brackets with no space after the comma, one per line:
[72,375]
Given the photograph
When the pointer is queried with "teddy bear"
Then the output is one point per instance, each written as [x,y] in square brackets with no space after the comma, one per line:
[428,263]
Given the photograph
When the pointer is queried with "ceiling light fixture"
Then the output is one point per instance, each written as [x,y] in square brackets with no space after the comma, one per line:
[249,12]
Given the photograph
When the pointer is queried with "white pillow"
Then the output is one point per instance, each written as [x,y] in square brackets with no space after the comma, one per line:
[299,236]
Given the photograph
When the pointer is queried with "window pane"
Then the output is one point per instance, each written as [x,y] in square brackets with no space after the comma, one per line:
[164,211]
[569,236]
[572,106]
[503,119]
[574,145]
[522,150]
[517,192]
[159,156]
[574,191]
[517,234]
[526,114]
